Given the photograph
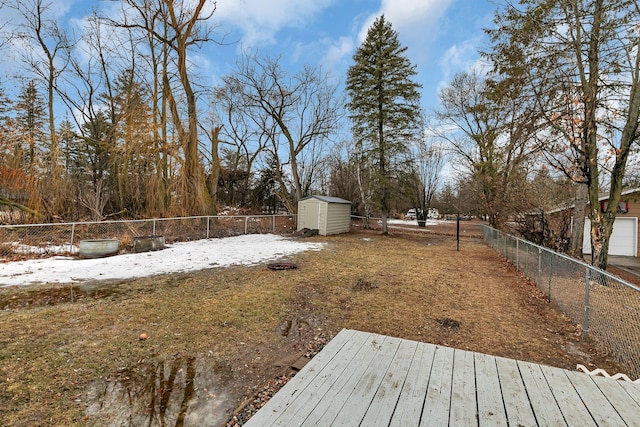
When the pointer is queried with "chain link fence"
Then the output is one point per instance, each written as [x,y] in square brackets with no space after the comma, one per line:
[605,306]
[31,240]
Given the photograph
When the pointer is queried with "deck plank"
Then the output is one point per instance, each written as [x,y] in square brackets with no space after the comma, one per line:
[306,386]
[464,406]
[411,401]
[373,380]
[567,398]
[491,410]
[514,394]
[384,402]
[328,408]
[633,390]
[540,395]
[438,398]
[599,406]
[364,391]
[624,404]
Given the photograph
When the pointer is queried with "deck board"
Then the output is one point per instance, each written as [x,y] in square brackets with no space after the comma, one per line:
[438,397]
[541,397]
[625,406]
[514,394]
[491,410]
[414,389]
[601,409]
[464,409]
[386,397]
[567,398]
[367,379]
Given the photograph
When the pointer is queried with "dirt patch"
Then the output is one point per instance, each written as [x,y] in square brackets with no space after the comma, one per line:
[250,324]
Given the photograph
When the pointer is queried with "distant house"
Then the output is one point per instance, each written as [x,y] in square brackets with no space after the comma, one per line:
[328,215]
[624,237]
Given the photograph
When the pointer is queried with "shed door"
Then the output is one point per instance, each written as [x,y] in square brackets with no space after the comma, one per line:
[624,237]
[312,216]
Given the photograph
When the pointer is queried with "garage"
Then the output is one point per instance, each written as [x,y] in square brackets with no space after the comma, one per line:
[624,237]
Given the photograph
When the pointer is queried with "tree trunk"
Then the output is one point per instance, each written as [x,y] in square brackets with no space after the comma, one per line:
[577,220]
[212,184]
[600,233]
[385,225]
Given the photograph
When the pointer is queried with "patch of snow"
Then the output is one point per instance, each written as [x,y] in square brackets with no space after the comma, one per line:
[21,248]
[411,222]
[248,249]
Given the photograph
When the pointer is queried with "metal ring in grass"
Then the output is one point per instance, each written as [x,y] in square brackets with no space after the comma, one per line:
[282,266]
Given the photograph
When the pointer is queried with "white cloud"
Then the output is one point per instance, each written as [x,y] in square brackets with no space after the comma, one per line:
[337,52]
[460,58]
[414,20]
[260,21]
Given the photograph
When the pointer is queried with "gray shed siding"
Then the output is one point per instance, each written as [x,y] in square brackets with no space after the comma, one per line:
[330,215]
[338,218]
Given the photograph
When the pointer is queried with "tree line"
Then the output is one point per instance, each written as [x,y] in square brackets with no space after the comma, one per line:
[117,122]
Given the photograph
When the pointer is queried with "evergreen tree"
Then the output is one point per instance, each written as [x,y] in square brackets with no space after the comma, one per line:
[384,109]
[5,104]
[31,118]
[6,124]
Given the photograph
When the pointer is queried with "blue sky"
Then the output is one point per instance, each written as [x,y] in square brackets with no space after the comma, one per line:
[442,36]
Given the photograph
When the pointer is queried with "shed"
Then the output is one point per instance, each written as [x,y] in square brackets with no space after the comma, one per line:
[328,215]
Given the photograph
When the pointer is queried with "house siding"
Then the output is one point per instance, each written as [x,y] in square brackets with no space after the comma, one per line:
[634,210]
[562,218]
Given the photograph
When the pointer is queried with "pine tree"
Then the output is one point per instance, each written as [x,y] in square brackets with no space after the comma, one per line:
[31,118]
[384,109]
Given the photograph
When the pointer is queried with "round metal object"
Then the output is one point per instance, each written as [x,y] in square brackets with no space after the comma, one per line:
[98,248]
[282,266]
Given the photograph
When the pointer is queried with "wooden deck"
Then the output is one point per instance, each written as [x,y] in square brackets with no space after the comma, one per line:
[363,379]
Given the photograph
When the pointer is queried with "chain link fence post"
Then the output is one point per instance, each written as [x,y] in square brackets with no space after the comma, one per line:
[614,322]
[585,323]
[73,232]
[550,275]
[539,268]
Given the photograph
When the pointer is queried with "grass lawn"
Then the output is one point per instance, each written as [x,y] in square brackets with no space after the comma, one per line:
[72,355]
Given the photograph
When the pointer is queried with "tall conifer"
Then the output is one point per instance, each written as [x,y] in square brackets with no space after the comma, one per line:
[385,111]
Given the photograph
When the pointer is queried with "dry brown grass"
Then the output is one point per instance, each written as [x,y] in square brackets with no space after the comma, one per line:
[255,321]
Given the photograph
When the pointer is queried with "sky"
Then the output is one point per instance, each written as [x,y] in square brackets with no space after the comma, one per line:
[183,257]
[443,37]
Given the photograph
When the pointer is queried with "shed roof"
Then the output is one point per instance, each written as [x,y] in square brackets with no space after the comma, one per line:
[328,199]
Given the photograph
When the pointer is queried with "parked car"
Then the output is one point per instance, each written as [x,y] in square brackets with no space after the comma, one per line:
[411,214]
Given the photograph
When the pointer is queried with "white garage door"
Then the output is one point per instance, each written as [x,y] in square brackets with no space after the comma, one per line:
[624,237]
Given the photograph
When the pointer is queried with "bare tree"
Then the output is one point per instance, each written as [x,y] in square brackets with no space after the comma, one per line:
[44,44]
[428,160]
[179,27]
[295,113]
[490,134]
[585,52]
